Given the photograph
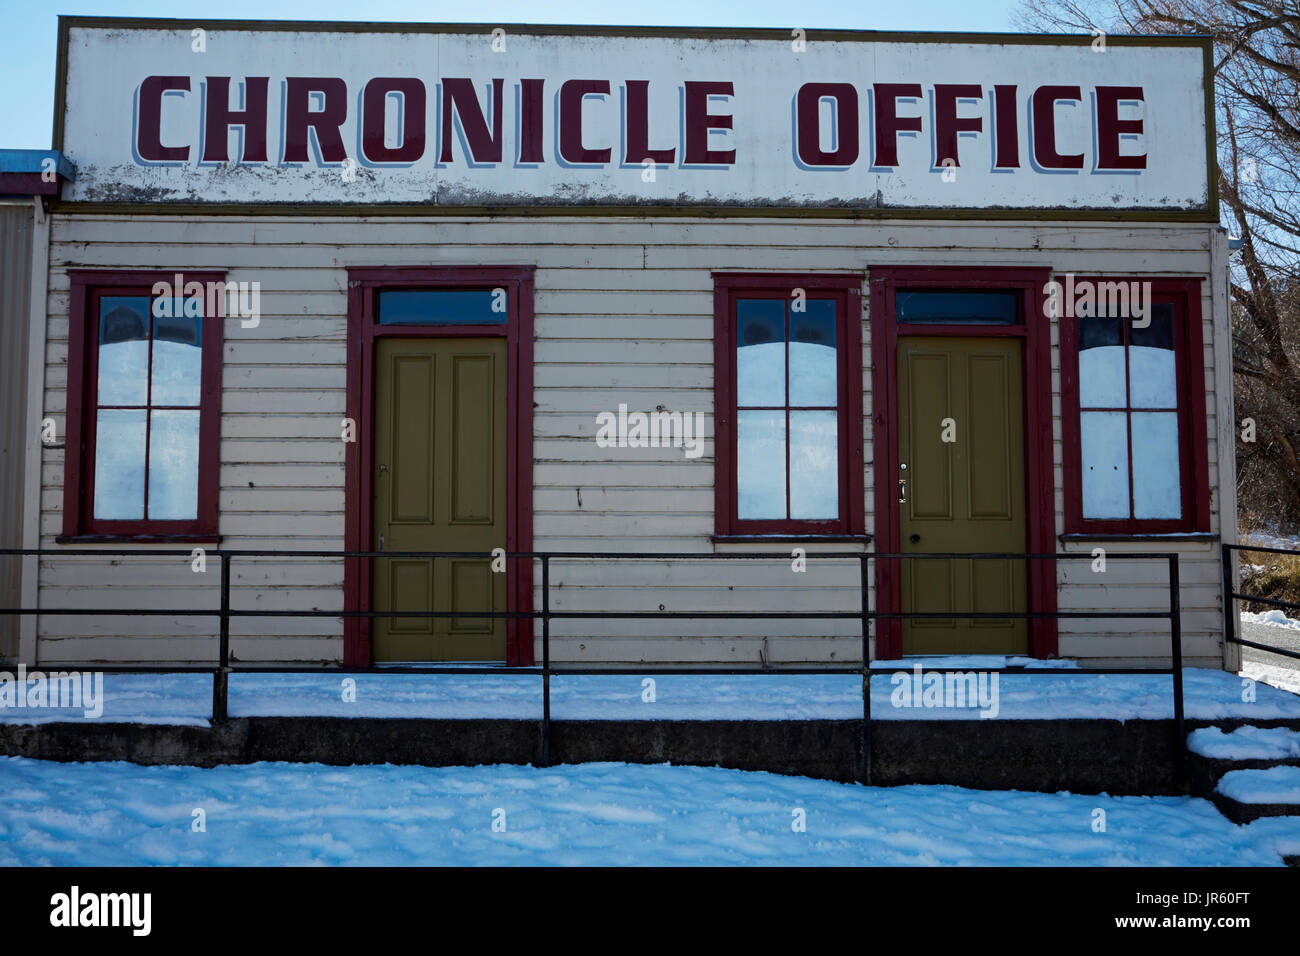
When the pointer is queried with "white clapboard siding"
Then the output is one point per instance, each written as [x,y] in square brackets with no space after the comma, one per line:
[623,315]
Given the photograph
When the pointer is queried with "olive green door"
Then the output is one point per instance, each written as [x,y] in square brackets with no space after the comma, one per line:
[961,438]
[440,485]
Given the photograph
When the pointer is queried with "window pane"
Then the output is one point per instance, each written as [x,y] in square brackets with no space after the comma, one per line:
[1152,361]
[760,464]
[1101,363]
[177,360]
[174,465]
[1157,488]
[1105,465]
[442,307]
[926,307]
[123,351]
[119,464]
[813,375]
[814,465]
[760,352]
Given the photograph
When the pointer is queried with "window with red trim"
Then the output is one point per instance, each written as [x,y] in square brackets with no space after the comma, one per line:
[788,380]
[1133,407]
[144,371]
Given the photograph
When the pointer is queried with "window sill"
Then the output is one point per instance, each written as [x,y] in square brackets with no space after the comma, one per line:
[780,536]
[1156,536]
[138,539]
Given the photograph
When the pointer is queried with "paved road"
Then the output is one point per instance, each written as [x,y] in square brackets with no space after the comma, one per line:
[1278,637]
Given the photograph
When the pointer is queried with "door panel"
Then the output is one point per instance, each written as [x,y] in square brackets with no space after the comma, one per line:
[440,485]
[967,494]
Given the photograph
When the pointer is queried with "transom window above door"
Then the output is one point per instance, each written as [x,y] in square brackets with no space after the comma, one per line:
[487,306]
[957,307]
[788,382]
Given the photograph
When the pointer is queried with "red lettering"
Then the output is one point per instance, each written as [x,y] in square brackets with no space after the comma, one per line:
[482,144]
[1110,127]
[1006,143]
[638,127]
[148,135]
[530,121]
[1044,113]
[699,121]
[808,124]
[374,99]
[219,117]
[888,123]
[947,124]
[572,94]
[300,118]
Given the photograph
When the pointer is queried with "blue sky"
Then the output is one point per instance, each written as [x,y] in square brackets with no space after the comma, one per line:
[29,35]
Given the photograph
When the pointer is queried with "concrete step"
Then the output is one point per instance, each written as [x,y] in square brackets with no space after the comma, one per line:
[1246,743]
[1247,794]
[1211,753]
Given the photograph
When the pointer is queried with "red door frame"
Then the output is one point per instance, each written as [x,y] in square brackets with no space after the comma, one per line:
[1035,330]
[363,330]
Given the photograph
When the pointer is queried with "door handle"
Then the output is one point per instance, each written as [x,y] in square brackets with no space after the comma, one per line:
[381,542]
[902,491]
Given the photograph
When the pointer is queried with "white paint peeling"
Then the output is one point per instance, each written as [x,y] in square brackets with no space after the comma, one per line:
[107,66]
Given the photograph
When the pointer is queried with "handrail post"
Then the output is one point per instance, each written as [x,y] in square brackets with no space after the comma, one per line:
[221,679]
[1176,640]
[865,737]
[546,660]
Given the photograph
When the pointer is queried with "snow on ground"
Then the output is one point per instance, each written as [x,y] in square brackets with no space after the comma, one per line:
[979,662]
[1283,678]
[594,814]
[1265,539]
[1245,743]
[1274,617]
[186,698]
[1274,785]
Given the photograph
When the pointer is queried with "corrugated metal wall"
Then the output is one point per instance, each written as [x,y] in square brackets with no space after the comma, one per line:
[15,298]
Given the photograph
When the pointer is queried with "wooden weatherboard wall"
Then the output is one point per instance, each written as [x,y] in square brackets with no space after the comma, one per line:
[623,315]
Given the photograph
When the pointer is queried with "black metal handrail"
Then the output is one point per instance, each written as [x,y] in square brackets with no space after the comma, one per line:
[1230,593]
[865,614]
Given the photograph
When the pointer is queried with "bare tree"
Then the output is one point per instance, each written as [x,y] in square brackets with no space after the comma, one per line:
[1257,92]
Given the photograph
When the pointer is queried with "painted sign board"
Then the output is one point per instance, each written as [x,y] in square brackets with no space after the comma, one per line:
[476,116]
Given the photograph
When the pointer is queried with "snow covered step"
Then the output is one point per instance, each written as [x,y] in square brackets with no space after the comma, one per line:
[1245,743]
[1245,795]
[1212,754]
[1275,785]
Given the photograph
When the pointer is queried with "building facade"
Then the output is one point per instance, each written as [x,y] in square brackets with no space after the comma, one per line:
[407,288]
